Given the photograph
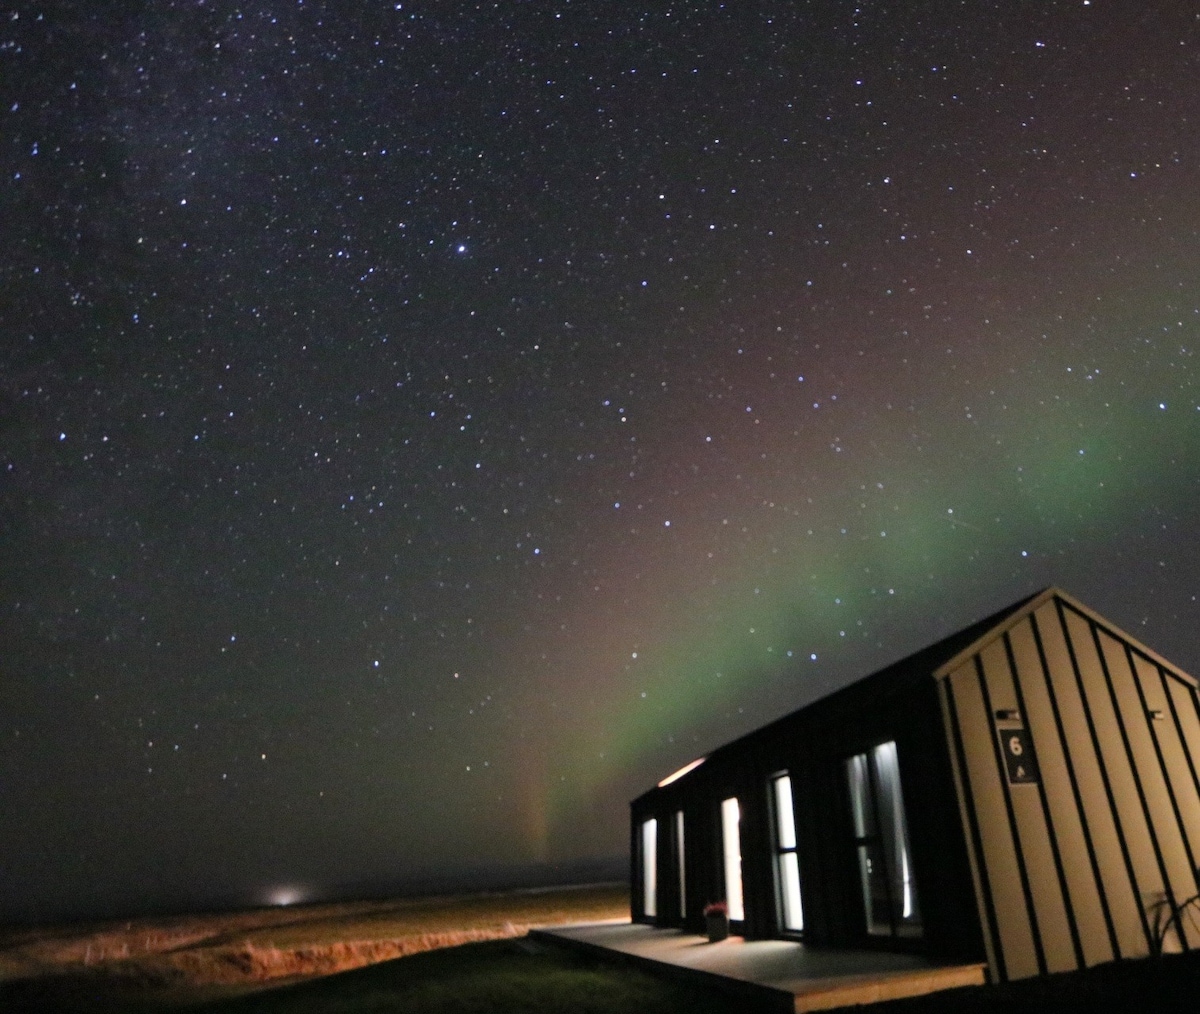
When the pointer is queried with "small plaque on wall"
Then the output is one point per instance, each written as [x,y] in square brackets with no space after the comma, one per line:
[1018,756]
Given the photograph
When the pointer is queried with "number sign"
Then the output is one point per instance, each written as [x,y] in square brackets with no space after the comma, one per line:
[1018,756]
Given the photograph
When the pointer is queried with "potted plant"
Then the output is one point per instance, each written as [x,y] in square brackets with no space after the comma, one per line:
[716,919]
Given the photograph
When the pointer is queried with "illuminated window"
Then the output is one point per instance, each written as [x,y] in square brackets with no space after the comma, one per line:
[650,867]
[731,842]
[679,858]
[787,863]
[881,841]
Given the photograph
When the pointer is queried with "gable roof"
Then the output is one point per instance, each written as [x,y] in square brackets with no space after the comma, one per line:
[943,657]
[938,660]
[897,677]
[1020,610]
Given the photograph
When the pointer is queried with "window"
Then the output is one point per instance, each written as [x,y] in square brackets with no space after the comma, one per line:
[650,867]
[731,842]
[881,841]
[679,858]
[786,862]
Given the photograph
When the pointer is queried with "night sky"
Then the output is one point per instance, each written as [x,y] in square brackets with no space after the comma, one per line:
[425,425]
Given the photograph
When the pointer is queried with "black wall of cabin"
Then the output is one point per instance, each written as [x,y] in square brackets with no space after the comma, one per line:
[812,746]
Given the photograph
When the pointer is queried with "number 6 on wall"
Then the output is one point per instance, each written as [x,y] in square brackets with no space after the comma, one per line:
[1018,756]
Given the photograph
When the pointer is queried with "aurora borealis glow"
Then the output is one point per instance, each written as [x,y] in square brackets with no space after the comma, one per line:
[424,428]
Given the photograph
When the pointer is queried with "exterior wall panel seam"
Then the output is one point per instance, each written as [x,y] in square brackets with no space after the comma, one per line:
[1162,673]
[1187,754]
[1006,791]
[1151,831]
[1103,768]
[1166,775]
[1162,764]
[1076,795]
[991,929]
[1051,834]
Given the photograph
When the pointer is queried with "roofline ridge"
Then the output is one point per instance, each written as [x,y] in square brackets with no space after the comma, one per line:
[1035,602]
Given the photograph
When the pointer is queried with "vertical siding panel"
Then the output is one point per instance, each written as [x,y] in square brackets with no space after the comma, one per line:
[1117,888]
[1074,849]
[1187,722]
[1151,767]
[1179,772]
[966,812]
[1037,853]
[1188,708]
[1146,875]
[999,850]
[1164,828]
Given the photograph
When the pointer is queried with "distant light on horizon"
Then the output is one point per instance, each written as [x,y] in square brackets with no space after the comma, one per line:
[287,894]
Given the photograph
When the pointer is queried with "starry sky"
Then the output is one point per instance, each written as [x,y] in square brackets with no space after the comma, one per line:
[425,425]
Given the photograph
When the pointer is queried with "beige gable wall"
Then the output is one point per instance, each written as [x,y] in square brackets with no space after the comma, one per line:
[1070,867]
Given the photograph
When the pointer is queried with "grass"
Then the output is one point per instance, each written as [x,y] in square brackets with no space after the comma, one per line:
[277,961]
[35,951]
[156,962]
[519,976]
[512,976]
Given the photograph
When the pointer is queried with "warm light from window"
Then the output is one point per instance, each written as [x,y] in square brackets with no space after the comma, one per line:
[650,867]
[679,859]
[789,862]
[731,842]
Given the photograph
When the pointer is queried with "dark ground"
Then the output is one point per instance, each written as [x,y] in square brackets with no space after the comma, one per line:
[499,975]
[520,976]
[1171,983]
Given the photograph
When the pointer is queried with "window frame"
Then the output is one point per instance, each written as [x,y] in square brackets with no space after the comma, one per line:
[681,860]
[737,912]
[900,926]
[780,850]
[648,828]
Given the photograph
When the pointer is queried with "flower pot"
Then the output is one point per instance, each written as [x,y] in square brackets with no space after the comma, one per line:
[718,926]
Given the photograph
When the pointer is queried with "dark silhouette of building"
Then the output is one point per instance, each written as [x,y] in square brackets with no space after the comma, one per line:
[1024,792]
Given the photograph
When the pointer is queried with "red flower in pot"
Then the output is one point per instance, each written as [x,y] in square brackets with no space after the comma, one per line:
[716,919]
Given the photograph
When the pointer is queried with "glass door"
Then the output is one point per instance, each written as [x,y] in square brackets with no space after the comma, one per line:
[881,842]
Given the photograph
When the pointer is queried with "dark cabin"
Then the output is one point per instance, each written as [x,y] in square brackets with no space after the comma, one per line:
[1024,792]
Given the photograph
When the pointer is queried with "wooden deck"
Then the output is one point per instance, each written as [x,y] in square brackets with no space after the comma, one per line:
[778,975]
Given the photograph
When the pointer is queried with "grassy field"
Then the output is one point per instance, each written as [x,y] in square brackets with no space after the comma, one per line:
[152,963]
[510,976]
[513,975]
[519,976]
[464,955]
